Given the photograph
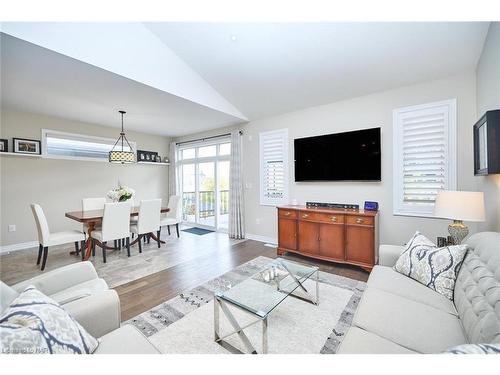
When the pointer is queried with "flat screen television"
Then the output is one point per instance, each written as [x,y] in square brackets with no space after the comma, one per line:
[350,156]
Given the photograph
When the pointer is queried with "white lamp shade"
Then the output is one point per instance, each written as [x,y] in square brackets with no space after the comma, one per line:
[460,205]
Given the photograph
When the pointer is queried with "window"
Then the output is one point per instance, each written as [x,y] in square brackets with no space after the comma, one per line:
[424,156]
[225,149]
[77,146]
[274,167]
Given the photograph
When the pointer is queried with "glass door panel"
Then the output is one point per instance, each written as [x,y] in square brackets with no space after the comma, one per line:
[206,194]
[223,193]
[188,182]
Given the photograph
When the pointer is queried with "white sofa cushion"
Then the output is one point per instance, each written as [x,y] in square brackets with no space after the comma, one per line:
[34,323]
[385,278]
[7,295]
[81,290]
[359,341]
[125,340]
[477,291]
[411,324]
[436,268]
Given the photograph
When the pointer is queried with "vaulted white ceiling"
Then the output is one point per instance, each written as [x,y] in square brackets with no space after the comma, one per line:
[267,69]
[180,78]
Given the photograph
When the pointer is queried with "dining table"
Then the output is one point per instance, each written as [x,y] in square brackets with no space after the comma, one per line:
[93,217]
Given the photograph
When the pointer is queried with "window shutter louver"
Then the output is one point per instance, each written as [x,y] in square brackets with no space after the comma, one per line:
[424,145]
[274,167]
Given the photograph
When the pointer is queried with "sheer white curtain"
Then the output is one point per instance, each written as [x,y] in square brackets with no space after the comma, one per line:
[236,202]
[173,184]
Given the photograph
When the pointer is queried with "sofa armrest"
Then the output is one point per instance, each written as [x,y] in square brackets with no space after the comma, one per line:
[60,279]
[99,313]
[389,254]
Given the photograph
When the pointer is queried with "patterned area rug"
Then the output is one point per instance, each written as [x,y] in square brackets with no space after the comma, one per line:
[184,324]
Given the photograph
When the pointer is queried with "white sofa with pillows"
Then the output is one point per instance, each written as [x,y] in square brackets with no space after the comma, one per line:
[85,297]
[397,314]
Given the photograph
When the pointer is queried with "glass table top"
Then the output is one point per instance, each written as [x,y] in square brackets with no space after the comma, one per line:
[266,289]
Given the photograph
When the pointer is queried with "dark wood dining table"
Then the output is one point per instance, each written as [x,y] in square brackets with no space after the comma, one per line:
[93,217]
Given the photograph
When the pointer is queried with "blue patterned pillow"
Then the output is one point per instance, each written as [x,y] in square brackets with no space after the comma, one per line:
[475,349]
[34,323]
[436,268]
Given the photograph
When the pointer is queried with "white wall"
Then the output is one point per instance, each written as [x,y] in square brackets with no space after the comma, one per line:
[363,112]
[488,98]
[59,185]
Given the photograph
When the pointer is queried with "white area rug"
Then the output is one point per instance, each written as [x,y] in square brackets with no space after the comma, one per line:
[185,323]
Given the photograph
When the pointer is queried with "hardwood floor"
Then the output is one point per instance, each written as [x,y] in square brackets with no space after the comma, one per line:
[143,294]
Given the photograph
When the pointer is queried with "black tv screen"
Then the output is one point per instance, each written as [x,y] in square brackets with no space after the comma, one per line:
[353,156]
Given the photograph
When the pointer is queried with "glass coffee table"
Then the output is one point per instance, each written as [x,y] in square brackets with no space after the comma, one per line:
[260,294]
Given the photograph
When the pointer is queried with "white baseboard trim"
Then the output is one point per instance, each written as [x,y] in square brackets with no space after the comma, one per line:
[260,238]
[17,246]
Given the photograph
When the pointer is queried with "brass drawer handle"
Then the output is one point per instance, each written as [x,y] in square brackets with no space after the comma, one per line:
[305,216]
[359,220]
[334,219]
[287,213]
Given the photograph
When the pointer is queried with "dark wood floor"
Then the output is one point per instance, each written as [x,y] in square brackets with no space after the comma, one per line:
[145,293]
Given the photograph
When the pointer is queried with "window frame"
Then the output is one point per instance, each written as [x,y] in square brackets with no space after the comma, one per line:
[265,201]
[90,138]
[400,208]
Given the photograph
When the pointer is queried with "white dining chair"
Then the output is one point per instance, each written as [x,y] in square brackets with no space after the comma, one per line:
[174,215]
[115,226]
[148,220]
[46,239]
[89,204]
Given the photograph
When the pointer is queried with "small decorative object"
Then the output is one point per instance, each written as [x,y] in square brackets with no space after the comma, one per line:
[4,145]
[121,193]
[120,154]
[441,241]
[459,206]
[26,146]
[371,206]
[166,160]
[158,158]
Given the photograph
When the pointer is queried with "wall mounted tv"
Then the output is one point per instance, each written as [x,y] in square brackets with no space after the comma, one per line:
[350,156]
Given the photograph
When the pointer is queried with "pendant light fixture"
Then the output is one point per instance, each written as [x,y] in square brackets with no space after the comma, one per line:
[118,154]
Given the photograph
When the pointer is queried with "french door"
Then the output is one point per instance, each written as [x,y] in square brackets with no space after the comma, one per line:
[204,183]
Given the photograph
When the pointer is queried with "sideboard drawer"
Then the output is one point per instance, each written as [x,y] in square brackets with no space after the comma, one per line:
[322,217]
[360,220]
[287,214]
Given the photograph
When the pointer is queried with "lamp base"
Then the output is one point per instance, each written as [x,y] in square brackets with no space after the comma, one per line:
[458,231]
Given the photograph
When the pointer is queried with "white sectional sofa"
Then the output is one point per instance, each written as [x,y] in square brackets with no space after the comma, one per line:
[399,315]
[89,300]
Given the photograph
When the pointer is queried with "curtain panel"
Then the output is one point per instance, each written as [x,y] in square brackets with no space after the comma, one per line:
[236,201]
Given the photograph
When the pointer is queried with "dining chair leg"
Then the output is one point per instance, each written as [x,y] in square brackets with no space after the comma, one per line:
[158,237]
[123,242]
[77,251]
[177,227]
[140,243]
[93,247]
[133,235]
[83,248]
[127,242]
[120,244]
[116,244]
[45,253]
[40,251]
[168,228]
[104,251]
[144,239]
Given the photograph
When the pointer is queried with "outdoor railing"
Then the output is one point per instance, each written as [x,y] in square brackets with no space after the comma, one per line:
[206,203]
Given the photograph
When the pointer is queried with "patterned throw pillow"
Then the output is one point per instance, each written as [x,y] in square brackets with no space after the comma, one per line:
[34,323]
[475,349]
[436,268]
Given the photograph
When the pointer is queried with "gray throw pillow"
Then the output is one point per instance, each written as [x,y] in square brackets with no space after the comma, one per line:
[436,268]
[34,323]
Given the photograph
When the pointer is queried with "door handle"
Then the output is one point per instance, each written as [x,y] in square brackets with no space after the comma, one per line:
[305,216]
[359,220]
[287,213]
[334,219]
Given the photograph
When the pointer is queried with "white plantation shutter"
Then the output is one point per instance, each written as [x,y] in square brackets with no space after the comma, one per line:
[425,153]
[274,167]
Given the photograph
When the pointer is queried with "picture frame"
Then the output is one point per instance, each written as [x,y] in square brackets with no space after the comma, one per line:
[149,156]
[4,145]
[26,146]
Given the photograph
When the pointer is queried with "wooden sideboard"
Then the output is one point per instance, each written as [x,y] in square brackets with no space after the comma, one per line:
[342,236]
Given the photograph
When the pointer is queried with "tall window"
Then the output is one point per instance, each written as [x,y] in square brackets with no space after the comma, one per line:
[64,145]
[203,170]
[424,156]
[274,167]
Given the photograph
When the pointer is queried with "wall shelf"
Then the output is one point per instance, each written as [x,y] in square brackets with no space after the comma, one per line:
[19,154]
[152,163]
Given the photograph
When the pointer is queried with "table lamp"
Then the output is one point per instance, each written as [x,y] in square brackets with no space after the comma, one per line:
[459,206]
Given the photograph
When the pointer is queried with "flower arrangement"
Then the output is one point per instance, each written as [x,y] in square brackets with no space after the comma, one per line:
[121,193]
